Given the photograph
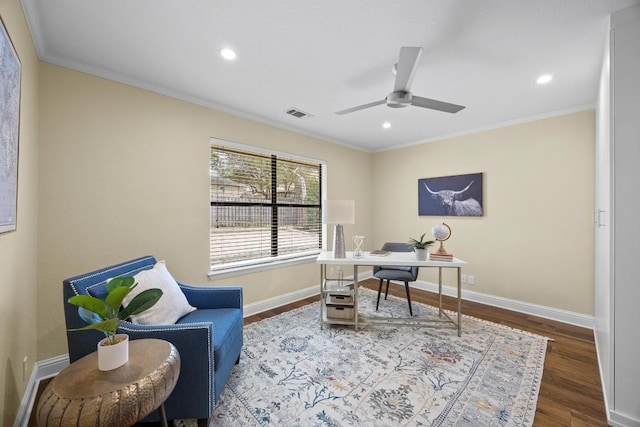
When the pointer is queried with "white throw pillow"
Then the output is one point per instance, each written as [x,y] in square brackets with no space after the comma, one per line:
[171,306]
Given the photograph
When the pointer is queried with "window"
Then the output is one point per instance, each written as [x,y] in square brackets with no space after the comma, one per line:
[265,207]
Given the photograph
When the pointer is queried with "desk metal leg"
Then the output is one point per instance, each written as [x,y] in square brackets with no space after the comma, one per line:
[355,296]
[459,302]
[323,272]
[355,321]
[440,291]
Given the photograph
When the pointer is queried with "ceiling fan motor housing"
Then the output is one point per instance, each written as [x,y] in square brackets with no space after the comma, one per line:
[399,99]
[401,95]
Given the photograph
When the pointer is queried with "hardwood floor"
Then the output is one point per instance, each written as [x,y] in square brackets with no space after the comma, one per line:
[570,392]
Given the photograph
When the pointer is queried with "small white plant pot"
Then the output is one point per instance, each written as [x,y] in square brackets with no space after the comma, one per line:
[113,356]
[421,254]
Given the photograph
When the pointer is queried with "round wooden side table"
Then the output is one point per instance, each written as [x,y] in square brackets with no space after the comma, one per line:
[82,395]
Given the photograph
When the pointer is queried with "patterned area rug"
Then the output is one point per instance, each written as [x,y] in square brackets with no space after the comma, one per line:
[292,373]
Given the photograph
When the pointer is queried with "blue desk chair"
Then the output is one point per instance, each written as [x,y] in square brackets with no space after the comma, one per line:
[388,273]
[208,339]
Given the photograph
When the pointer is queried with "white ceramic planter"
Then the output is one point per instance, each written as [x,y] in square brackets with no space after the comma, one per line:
[421,254]
[113,356]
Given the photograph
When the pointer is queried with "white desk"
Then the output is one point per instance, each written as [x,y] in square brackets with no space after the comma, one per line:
[407,259]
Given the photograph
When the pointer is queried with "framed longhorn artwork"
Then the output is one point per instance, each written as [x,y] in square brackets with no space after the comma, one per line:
[456,195]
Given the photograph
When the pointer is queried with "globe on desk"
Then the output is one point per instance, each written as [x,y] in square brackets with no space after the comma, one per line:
[441,232]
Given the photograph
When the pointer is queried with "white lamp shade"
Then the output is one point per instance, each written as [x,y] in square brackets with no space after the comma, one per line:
[339,212]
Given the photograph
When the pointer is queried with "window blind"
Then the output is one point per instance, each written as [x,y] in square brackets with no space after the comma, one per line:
[265,207]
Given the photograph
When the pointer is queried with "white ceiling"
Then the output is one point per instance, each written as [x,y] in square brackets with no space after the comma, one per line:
[329,55]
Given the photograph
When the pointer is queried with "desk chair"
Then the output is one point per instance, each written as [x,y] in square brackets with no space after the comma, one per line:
[403,274]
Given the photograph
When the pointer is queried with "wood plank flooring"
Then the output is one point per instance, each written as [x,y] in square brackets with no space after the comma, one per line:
[570,392]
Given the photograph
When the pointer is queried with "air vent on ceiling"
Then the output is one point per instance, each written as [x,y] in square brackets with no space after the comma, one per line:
[295,112]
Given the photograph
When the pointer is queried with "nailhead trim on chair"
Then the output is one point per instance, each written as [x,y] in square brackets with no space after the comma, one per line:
[188,326]
[100,272]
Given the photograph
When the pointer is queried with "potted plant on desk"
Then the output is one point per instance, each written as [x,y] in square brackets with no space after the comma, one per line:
[106,316]
[420,247]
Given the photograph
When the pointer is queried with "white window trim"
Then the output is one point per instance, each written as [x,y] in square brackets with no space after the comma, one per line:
[255,266]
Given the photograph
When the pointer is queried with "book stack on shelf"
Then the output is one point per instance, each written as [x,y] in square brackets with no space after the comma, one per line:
[435,256]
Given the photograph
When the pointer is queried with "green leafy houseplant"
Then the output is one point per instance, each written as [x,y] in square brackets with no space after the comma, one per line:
[421,244]
[106,315]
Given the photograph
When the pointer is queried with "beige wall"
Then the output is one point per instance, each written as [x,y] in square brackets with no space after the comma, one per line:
[18,260]
[535,241]
[125,173]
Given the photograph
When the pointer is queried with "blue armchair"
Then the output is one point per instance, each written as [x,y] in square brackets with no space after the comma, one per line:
[208,339]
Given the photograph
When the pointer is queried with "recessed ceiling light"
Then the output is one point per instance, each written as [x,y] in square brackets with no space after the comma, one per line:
[386,125]
[228,54]
[545,78]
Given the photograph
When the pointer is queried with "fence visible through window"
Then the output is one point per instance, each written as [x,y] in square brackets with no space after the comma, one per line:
[264,207]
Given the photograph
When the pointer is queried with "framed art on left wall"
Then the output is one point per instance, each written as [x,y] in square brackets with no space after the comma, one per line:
[10,69]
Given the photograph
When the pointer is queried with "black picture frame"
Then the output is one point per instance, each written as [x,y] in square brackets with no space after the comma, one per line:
[10,75]
[455,195]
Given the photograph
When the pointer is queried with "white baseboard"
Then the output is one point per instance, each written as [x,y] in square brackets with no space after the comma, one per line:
[42,370]
[618,420]
[551,313]
[51,367]
[601,370]
[280,300]
[614,418]
[557,314]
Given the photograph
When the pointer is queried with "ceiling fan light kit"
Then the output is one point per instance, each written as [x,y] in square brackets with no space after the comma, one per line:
[401,96]
[399,99]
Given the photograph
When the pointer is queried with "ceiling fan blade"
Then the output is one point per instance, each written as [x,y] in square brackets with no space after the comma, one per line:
[360,107]
[433,104]
[406,70]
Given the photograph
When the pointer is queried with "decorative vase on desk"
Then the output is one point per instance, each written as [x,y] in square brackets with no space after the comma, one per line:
[420,247]
[421,254]
[112,356]
[358,246]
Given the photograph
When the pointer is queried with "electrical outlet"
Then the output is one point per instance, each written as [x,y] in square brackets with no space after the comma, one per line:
[332,271]
[463,278]
[471,280]
[24,368]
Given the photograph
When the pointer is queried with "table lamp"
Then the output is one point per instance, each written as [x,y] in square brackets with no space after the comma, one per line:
[338,212]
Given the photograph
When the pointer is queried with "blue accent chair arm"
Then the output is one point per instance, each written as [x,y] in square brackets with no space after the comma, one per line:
[213,297]
[209,339]
[194,344]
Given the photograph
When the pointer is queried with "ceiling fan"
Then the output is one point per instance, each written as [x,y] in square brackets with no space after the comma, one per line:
[401,95]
